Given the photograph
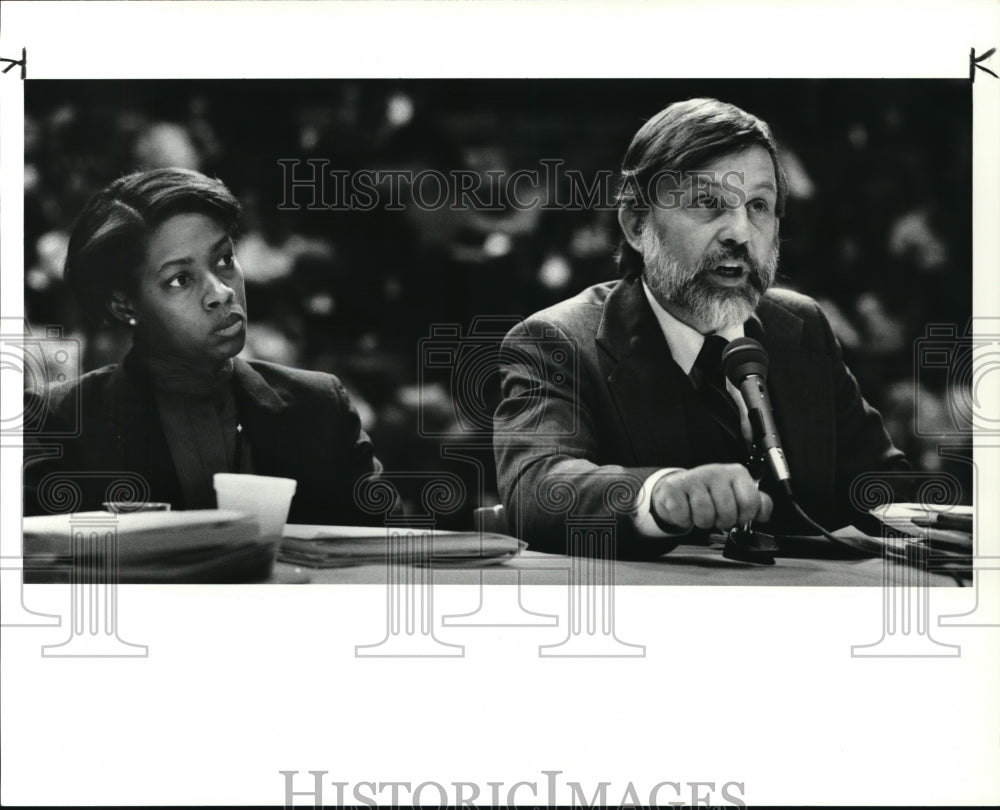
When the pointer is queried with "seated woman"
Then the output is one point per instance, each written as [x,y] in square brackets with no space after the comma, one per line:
[154,251]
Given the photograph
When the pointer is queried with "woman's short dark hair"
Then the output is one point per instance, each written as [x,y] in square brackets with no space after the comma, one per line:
[685,137]
[109,237]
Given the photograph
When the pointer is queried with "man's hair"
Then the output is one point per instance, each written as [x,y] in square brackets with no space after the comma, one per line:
[110,236]
[685,137]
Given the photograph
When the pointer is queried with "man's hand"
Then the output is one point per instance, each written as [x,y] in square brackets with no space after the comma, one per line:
[713,495]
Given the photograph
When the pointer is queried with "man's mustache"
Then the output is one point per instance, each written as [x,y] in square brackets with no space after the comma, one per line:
[756,274]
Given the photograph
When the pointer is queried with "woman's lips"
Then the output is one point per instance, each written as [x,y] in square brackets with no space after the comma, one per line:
[231,327]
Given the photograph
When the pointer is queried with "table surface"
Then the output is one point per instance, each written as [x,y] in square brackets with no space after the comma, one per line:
[803,561]
[685,565]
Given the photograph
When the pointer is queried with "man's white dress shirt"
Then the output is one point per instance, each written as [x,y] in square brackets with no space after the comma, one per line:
[685,344]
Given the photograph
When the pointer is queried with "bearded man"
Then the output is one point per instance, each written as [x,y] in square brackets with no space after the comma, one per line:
[620,388]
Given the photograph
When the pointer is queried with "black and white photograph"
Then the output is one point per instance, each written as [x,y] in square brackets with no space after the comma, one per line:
[371,393]
[470,261]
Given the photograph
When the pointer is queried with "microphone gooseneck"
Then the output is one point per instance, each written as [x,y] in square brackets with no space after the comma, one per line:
[745,364]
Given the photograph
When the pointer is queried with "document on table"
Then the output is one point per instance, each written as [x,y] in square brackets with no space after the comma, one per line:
[333,546]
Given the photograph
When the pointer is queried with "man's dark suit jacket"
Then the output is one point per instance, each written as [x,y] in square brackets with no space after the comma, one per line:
[298,424]
[622,409]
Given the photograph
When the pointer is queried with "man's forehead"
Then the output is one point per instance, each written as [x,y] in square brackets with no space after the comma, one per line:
[748,168]
[753,162]
[720,181]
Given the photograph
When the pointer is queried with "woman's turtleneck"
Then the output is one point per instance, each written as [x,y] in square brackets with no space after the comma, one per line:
[200,422]
[175,374]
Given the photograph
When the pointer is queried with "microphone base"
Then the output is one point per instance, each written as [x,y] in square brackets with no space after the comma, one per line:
[750,547]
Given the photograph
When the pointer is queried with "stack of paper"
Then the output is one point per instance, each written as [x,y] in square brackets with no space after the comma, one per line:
[942,536]
[334,546]
[208,545]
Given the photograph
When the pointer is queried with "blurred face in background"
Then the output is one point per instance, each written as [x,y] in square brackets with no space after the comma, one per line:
[188,298]
[711,250]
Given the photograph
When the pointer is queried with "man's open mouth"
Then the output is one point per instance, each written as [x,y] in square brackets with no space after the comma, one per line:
[728,270]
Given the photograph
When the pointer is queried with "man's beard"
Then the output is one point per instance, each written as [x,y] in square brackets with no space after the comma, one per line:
[689,290]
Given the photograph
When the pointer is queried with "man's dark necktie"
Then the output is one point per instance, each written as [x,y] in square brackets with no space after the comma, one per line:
[711,384]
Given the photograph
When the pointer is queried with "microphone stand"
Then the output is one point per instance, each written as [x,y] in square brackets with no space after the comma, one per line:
[743,543]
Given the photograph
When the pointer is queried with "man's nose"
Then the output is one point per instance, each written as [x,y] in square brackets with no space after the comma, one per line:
[735,226]
[217,292]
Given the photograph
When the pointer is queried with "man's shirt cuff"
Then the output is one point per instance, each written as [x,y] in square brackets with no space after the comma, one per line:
[642,518]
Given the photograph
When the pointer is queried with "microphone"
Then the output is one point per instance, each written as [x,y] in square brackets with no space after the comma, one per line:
[745,364]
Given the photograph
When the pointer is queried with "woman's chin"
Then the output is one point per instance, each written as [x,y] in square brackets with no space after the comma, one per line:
[230,345]
[219,352]
[233,348]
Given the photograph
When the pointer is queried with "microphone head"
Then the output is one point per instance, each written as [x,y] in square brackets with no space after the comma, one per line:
[743,357]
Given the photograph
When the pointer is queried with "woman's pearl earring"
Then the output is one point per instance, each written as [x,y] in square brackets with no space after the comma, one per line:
[132,321]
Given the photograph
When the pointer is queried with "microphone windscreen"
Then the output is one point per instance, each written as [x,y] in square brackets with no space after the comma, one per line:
[743,357]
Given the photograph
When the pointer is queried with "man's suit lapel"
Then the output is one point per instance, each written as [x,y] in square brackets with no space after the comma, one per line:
[645,383]
[648,387]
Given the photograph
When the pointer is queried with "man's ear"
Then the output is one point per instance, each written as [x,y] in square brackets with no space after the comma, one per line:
[631,224]
[120,307]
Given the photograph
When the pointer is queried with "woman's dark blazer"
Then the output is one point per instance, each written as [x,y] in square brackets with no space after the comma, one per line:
[98,437]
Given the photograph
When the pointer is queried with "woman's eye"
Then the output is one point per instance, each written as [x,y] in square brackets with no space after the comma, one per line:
[759,206]
[180,280]
[227,259]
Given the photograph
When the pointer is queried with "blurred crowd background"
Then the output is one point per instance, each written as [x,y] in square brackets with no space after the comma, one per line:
[878,226]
